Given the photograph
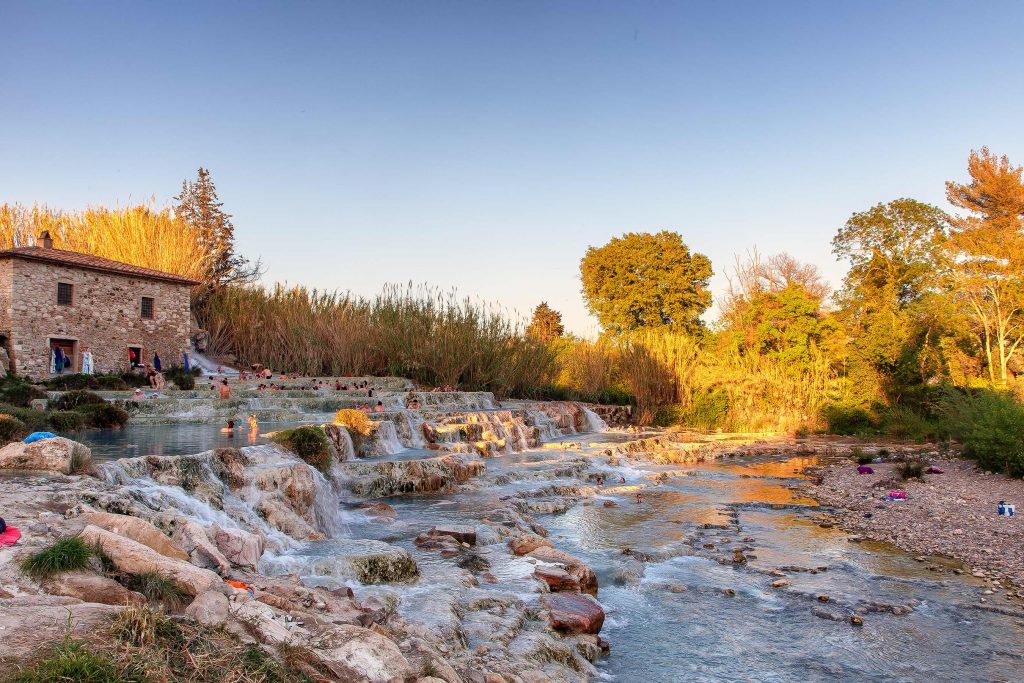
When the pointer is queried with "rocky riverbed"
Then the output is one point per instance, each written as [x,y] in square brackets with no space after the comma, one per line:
[519,543]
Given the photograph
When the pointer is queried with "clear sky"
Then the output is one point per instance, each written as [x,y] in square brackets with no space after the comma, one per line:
[484,145]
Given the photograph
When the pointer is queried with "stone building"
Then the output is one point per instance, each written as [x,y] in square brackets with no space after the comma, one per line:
[53,298]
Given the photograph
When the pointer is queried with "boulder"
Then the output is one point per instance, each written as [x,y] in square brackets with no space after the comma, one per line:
[259,620]
[573,613]
[201,552]
[460,532]
[138,530]
[239,547]
[132,557]
[90,587]
[352,653]
[528,543]
[557,579]
[33,623]
[210,608]
[577,568]
[51,455]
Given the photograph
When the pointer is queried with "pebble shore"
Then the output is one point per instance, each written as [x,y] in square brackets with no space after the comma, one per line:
[954,514]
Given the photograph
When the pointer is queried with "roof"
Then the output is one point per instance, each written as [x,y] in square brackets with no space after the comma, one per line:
[89,262]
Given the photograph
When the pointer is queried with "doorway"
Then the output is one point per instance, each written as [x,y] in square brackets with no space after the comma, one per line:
[68,353]
[134,357]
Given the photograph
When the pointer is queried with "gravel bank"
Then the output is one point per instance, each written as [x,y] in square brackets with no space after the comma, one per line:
[952,514]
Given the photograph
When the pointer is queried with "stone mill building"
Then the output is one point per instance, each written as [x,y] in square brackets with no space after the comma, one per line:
[115,311]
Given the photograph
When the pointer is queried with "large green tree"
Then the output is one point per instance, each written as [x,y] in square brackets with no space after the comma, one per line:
[891,298]
[546,325]
[642,281]
[987,247]
[201,207]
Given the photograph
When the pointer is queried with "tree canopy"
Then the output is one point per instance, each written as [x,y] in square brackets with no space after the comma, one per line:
[546,325]
[642,280]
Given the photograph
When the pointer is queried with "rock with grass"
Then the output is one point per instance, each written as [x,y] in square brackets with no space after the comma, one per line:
[67,554]
[56,454]
[133,558]
[89,586]
[32,623]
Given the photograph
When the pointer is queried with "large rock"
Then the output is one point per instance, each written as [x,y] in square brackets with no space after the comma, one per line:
[33,623]
[573,613]
[576,567]
[344,559]
[193,538]
[51,455]
[131,557]
[138,530]
[557,579]
[460,532]
[90,587]
[210,608]
[354,654]
[527,543]
[239,547]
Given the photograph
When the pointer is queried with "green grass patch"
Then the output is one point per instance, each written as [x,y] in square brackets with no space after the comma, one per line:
[72,661]
[158,589]
[309,443]
[103,415]
[64,555]
[11,429]
[65,420]
[73,400]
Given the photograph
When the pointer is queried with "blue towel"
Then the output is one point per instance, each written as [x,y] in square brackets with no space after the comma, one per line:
[39,436]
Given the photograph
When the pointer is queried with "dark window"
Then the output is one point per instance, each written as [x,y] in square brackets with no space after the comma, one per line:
[147,307]
[65,293]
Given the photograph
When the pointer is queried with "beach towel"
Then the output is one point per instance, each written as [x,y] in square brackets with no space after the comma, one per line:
[9,537]
[39,436]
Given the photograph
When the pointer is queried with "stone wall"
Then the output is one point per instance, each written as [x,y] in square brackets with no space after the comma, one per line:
[614,416]
[105,316]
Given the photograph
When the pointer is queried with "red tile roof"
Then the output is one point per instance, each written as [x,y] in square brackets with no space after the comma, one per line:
[90,262]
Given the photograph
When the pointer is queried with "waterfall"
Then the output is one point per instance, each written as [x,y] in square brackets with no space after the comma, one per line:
[385,439]
[593,421]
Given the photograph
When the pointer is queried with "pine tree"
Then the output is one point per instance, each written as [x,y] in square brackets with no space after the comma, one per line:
[546,325]
[199,206]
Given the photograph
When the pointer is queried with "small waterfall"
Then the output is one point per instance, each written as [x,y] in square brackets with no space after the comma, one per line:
[327,507]
[593,421]
[385,439]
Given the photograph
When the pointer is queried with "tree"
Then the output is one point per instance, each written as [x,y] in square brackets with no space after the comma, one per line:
[199,206]
[546,325]
[754,276]
[987,247]
[892,293]
[642,280]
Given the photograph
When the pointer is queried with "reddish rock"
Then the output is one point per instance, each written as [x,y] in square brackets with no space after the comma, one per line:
[527,544]
[380,510]
[557,579]
[580,571]
[460,532]
[573,613]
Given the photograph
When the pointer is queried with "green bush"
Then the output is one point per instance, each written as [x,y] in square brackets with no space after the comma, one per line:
[103,415]
[911,469]
[134,379]
[64,555]
[708,411]
[72,661]
[11,429]
[34,420]
[611,396]
[65,420]
[848,420]
[901,422]
[111,383]
[72,382]
[182,378]
[309,443]
[73,400]
[990,425]
[18,392]
[158,588]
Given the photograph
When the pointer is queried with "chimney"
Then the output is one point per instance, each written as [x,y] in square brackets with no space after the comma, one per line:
[45,240]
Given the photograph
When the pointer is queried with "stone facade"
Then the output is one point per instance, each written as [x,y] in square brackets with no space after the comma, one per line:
[104,317]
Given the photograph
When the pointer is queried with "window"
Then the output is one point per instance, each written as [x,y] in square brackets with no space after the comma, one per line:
[65,293]
[147,307]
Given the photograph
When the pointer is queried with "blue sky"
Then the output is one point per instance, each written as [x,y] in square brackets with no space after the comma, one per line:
[484,145]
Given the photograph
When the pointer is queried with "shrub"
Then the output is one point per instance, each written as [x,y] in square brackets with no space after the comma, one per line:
[182,378]
[111,383]
[859,456]
[848,420]
[911,469]
[65,420]
[990,425]
[73,400]
[309,443]
[158,588]
[11,429]
[103,415]
[64,555]
[355,421]
[17,392]
[905,423]
[133,379]
[72,661]
[72,382]
[708,411]
[34,420]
